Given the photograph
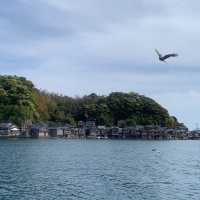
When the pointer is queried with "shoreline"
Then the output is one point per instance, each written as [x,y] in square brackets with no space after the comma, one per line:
[93,138]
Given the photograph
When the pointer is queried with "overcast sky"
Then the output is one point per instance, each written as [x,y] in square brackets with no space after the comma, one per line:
[84,46]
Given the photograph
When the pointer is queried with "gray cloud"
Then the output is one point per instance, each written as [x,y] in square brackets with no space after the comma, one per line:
[78,47]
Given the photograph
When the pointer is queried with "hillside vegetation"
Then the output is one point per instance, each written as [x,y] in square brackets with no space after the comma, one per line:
[22,103]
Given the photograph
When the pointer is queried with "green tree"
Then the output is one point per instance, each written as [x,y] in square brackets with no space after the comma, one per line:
[16,100]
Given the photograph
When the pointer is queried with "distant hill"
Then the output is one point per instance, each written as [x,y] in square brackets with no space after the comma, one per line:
[22,103]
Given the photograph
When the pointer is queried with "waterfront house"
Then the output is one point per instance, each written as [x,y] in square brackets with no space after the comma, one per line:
[128,132]
[38,130]
[67,132]
[34,132]
[9,130]
[194,135]
[101,132]
[90,128]
[55,132]
[79,133]
[115,133]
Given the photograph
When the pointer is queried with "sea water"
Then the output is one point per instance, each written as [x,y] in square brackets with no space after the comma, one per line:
[47,169]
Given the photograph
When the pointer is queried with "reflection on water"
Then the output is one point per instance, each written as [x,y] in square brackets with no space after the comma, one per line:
[94,169]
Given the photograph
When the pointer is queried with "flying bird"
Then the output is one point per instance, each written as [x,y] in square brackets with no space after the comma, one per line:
[163,58]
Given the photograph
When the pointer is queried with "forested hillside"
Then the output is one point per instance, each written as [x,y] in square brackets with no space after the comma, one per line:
[21,103]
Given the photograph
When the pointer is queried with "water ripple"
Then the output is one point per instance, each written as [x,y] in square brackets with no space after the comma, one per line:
[96,170]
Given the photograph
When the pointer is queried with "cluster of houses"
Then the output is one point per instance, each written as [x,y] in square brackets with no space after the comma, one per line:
[90,130]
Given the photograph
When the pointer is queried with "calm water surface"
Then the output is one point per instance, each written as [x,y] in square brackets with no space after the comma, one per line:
[99,169]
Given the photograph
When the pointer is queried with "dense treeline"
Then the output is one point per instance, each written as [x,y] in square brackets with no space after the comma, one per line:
[22,103]
[16,100]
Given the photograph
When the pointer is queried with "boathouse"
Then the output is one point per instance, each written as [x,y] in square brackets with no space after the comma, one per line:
[55,132]
[8,129]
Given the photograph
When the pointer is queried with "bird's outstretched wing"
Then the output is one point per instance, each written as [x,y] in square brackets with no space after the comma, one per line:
[158,53]
[169,55]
